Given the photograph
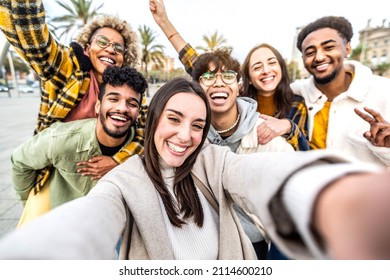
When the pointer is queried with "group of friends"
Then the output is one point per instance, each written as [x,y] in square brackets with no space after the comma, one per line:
[170,180]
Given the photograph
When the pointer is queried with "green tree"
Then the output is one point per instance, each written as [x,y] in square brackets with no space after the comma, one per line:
[150,52]
[382,68]
[77,15]
[357,52]
[293,70]
[213,42]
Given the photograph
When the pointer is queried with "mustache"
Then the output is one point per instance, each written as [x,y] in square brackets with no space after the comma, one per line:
[123,115]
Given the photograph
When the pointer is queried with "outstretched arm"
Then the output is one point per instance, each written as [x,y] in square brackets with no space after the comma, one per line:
[352,216]
[314,204]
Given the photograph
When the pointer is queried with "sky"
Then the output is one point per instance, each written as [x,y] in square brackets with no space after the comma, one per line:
[244,23]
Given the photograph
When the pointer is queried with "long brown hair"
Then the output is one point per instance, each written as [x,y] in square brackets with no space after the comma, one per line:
[283,93]
[183,184]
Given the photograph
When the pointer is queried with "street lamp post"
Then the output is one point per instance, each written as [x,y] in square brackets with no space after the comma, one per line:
[11,66]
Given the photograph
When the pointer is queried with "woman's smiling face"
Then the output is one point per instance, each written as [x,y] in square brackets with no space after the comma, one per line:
[180,128]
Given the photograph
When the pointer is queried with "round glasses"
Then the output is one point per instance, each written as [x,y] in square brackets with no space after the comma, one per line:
[209,78]
[103,42]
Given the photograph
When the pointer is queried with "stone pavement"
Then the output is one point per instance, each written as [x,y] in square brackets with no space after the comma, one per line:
[18,115]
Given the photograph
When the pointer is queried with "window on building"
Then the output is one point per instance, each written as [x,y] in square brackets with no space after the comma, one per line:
[373,59]
[384,58]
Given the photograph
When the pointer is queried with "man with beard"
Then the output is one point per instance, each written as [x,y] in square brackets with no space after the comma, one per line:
[337,89]
[68,147]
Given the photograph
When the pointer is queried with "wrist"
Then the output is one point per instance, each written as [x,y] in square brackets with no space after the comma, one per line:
[289,127]
[167,27]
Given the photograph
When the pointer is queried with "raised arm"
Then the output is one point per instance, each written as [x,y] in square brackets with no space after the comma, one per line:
[187,54]
[160,16]
[23,24]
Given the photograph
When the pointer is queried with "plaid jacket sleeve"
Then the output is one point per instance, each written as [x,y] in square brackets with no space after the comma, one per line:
[298,117]
[188,56]
[23,24]
[63,82]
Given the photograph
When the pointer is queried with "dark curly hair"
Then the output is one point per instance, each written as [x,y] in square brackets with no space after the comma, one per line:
[341,24]
[221,58]
[117,76]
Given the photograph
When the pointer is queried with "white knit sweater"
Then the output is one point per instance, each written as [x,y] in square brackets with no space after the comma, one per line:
[191,242]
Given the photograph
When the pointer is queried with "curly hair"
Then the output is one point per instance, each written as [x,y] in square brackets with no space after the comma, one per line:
[118,76]
[105,20]
[221,58]
[341,24]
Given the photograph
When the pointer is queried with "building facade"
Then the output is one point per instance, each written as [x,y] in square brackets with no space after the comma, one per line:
[375,47]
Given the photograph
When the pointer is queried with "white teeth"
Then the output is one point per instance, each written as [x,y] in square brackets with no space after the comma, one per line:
[176,148]
[219,95]
[322,67]
[119,118]
[267,79]
[107,60]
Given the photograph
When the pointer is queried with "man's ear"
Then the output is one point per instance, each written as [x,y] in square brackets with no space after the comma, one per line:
[97,107]
[348,49]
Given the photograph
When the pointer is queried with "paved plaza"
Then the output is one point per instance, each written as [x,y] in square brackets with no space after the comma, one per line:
[18,115]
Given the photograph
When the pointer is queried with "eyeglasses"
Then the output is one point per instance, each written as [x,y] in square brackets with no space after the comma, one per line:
[209,78]
[103,42]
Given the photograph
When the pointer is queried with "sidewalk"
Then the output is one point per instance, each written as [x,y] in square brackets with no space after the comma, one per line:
[18,116]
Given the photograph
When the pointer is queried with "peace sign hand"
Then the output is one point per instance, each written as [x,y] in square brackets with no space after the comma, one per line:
[379,133]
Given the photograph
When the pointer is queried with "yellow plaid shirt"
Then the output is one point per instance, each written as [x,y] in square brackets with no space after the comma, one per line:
[64,71]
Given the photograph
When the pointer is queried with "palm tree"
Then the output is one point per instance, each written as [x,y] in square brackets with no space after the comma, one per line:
[213,42]
[150,52]
[78,14]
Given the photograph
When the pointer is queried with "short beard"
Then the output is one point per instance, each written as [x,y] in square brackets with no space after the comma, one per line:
[325,80]
[113,134]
